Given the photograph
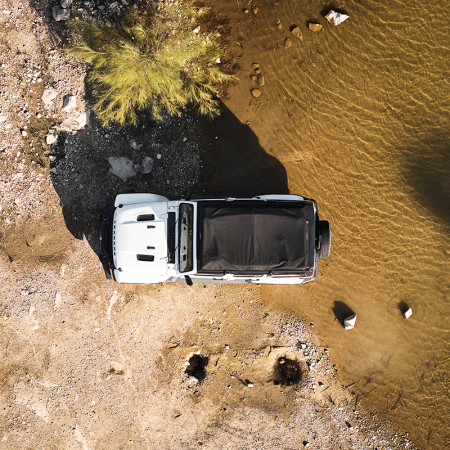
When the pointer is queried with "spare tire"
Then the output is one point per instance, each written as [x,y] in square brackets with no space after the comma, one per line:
[325,239]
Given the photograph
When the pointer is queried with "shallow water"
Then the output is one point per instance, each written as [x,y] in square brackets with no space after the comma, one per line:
[359,117]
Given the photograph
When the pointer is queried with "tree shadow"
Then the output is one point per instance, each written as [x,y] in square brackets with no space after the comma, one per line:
[185,155]
[429,176]
[341,311]
[234,162]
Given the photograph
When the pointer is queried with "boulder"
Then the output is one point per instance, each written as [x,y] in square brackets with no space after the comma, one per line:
[256,93]
[69,103]
[147,165]
[60,14]
[65,3]
[261,81]
[314,26]
[335,17]
[48,96]
[349,322]
[295,30]
[122,167]
[408,313]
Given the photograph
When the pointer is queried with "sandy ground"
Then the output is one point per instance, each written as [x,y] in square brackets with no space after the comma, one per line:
[86,363]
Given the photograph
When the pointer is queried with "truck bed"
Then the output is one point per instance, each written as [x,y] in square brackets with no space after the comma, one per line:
[254,236]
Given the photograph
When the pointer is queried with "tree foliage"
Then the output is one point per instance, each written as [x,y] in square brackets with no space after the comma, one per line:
[154,60]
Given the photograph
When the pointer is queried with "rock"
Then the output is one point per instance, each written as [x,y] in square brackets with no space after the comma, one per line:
[218,61]
[255,9]
[51,139]
[255,66]
[196,30]
[408,313]
[69,103]
[60,14]
[114,5]
[279,26]
[135,146]
[335,17]
[65,3]
[287,42]
[24,133]
[254,78]
[147,165]
[256,93]
[2,118]
[48,96]
[295,30]
[83,119]
[261,81]
[116,368]
[314,26]
[349,322]
[246,11]
[122,167]
[158,156]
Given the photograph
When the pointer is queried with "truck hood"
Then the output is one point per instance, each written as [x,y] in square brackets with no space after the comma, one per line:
[140,241]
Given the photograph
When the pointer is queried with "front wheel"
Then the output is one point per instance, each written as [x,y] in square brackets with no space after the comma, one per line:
[325,239]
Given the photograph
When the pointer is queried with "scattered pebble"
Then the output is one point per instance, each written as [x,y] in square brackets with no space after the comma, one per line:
[255,92]
[314,26]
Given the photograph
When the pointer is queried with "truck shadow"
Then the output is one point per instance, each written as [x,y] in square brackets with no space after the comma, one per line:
[184,156]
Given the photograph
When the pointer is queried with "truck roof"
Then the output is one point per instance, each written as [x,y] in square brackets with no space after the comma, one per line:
[255,236]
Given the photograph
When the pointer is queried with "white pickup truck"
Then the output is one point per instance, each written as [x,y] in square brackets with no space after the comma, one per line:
[271,239]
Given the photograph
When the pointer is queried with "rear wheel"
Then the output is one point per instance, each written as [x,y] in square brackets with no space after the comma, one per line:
[325,239]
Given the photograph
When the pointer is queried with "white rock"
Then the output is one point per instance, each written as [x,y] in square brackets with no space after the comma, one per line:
[158,156]
[2,118]
[69,103]
[60,14]
[24,133]
[349,322]
[147,165]
[51,139]
[83,119]
[218,61]
[65,3]
[407,314]
[336,18]
[122,167]
[48,96]
[196,30]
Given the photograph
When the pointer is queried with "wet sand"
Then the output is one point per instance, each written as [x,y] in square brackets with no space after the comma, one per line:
[358,116]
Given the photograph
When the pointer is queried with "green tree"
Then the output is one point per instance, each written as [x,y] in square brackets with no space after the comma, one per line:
[157,60]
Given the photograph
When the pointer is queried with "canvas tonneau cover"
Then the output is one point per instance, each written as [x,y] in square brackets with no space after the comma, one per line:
[255,236]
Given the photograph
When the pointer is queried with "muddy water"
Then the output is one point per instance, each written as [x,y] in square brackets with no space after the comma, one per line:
[359,117]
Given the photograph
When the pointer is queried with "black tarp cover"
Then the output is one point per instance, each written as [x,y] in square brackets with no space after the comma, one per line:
[255,236]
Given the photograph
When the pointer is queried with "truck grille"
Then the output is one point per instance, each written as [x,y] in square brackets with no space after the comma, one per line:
[171,238]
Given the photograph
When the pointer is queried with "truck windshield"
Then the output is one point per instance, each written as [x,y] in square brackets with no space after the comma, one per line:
[186,231]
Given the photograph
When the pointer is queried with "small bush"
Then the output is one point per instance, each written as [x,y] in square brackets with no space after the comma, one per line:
[152,60]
